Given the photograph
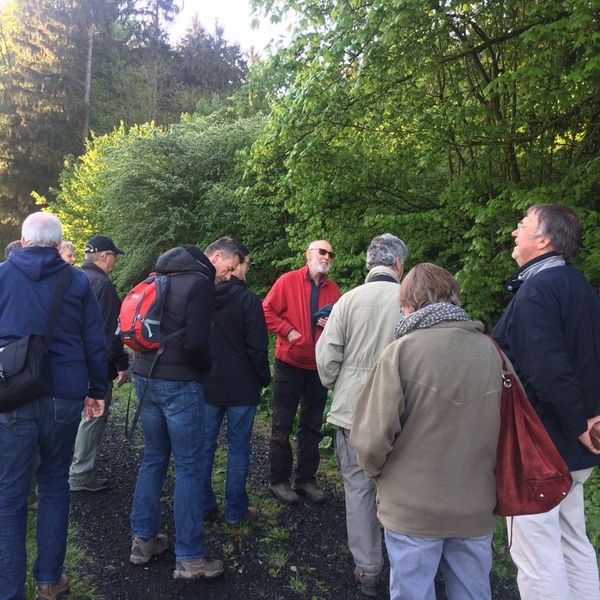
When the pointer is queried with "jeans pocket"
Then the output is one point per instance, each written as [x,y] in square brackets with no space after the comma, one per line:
[66,411]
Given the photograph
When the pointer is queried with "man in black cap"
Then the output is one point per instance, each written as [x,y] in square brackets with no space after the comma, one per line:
[100,258]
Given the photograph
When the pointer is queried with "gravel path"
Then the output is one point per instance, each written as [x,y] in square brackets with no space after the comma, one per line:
[291,552]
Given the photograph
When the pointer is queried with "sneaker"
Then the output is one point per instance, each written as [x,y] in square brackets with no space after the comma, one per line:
[200,567]
[95,484]
[311,491]
[50,592]
[369,584]
[143,550]
[251,515]
[284,493]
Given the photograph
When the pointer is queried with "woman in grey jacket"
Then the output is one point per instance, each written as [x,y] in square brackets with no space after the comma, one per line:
[426,428]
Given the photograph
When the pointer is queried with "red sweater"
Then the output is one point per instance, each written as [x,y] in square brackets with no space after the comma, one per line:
[287,307]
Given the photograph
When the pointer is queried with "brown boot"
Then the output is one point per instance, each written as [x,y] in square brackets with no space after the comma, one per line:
[195,569]
[50,592]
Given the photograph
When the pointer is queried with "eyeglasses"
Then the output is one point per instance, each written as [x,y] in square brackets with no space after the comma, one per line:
[323,252]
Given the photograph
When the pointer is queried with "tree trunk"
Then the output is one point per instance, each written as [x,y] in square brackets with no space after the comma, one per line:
[88,84]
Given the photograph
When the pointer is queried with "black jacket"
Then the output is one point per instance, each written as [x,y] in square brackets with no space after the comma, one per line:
[109,303]
[239,347]
[189,304]
[551,333]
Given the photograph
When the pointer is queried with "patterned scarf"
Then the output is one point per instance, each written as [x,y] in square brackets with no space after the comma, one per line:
[430,315]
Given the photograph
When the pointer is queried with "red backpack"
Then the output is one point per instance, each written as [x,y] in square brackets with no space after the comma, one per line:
[141,314]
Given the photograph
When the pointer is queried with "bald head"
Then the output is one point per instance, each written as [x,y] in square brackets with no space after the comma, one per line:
[319,255]
[41,229]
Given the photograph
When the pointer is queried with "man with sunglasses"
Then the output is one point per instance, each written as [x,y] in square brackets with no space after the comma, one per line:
[295,310]
[100,258]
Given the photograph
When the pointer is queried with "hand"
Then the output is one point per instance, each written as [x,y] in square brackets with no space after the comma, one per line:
[92,408]
[321,322]
[585,438]
[293,336]
[122,377]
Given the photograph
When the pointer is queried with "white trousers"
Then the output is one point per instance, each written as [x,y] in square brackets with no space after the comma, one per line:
[552,552]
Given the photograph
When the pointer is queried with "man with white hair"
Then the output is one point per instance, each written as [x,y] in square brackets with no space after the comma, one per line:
[296,310]
[360,326]
[77,369]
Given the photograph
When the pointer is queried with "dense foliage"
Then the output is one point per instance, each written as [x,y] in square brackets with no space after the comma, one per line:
[68,67]
[439,121]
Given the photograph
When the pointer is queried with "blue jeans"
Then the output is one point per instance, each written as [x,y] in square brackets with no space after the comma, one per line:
[50,424]
[240,420]
[172,417]
[465,564]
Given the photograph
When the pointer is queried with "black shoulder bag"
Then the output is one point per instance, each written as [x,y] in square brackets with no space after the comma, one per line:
[24,363]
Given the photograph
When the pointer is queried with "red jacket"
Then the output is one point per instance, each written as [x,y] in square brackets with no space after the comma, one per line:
[287,307]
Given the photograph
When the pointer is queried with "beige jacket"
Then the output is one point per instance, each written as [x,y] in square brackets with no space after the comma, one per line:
[426,428]
[360,326]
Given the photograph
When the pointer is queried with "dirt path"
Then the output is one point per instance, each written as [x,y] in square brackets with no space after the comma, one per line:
[292,552]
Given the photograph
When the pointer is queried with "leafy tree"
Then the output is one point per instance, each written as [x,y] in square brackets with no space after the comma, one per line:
[438,121]
[153,188]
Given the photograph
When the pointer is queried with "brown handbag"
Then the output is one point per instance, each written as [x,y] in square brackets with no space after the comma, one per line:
[531,476]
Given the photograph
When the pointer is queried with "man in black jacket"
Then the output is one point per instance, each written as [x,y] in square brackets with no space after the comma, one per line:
[240,369]
[171,395]
[100,258]
[551,333]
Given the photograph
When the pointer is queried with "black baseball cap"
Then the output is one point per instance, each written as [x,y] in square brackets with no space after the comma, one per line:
[101,243]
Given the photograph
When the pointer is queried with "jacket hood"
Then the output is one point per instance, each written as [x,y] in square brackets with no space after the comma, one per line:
[185,260]
[228,290]
[37,262]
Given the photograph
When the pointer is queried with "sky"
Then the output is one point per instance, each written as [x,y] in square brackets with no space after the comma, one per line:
[235,16]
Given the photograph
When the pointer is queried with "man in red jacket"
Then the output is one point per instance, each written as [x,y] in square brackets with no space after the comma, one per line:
[293,311]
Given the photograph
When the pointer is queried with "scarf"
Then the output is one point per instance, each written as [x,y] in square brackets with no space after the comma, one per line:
[533,267]
[430,315]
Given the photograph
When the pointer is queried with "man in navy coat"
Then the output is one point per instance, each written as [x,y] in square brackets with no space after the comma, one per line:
[551,333]
[77,356]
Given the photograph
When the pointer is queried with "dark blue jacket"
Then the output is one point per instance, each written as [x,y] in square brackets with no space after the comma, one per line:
[551,333]
[78,350]
[238,346]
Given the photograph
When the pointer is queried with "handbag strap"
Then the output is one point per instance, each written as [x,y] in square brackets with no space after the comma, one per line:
[501,354]
[62,283]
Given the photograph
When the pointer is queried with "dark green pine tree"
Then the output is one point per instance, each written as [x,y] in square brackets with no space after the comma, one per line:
[41,102]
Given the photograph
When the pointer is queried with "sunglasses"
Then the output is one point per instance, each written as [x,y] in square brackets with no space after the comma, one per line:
[323,252]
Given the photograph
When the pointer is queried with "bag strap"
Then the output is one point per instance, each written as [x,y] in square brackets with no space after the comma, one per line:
[62,283]
[500,353]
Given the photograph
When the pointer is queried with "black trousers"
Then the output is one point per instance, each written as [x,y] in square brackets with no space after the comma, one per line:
[292,387]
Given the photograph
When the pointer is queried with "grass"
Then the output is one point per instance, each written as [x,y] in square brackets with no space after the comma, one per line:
[76,561]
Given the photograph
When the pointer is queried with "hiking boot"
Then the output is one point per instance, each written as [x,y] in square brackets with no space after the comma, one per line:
[143,550]
[311,491]
[95,484]
[50,592]
[369,584]
[251,515]
[197,568]
[284,493]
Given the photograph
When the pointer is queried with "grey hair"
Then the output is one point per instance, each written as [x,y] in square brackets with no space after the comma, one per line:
[384,250]
[227,246]
[561,225]
[41,229]
[66,245]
